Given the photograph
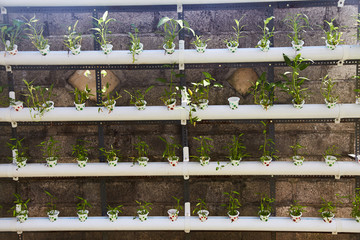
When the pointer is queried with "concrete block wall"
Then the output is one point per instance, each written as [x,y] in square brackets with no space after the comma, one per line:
[215,25]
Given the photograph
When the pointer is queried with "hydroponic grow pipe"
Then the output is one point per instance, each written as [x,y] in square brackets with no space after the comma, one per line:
[275,54]
[213,112]
[162,223]
[276,168]
[37,3]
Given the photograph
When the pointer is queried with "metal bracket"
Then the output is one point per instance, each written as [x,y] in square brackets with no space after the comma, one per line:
[16,178]
[14,154]
[337,120]
[3,10]
[340,63]
[19,232]
[183,97]
[334,233]
[344,58]
[8,68]
[341,3]
[186,159]
[187,217]
[179,8]
[337,177]
[14,124]
[181,55]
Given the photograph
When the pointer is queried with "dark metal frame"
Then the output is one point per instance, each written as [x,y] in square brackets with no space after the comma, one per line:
[184,130]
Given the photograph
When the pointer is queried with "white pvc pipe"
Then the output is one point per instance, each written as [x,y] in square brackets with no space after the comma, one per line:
[213,112]
[246,168]
[158,223]
[55,3]
[275,54]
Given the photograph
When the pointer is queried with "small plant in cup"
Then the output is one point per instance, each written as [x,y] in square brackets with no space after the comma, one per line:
[330,155]
[203,150]
[333,35]
[233,205]
[136,47]
[52,212]
[237,151]
[200,43]
[10,35]
[143,210]
[142,149]
[80,152]
[101,32]
[174,213]
[298,159]
[171,92]
[81,96]
[137,97]
[50,150]
[297,23]
[328,210]
[327,92]
[265,207]
[263,92]
[112,155]
[110,101]
[113,212]
[35,34]
[20,209]
[267,148]
[171,29]
[233,43]
[170,151]
[201,210]
[198,95]
[293,84]
[38,99]
[81,207]
[73,39]
[264,43]
[19,152]
[296,211]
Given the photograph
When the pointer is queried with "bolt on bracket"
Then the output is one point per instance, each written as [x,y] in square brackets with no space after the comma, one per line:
[181,55]
[186,161]
[187,217]
[341,3]
[3,10]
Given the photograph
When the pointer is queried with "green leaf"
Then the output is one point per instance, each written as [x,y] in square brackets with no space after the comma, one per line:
[163,80]
[287,60]
[105,15]
[163,20]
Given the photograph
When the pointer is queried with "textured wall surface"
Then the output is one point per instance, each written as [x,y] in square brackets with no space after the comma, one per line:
[216,25]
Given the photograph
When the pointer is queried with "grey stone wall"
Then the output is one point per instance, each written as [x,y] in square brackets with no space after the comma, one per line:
[158,190]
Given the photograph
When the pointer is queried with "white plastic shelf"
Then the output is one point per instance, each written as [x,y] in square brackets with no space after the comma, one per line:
[242,55]
[162,223]
[213,112]
[246,168]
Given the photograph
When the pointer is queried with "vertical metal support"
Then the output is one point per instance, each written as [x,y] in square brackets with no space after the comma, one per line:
[271,127]
[10,78]
[184,130]
[103,197]
[270,12]
[5,15]
[95,15]
[180,17]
